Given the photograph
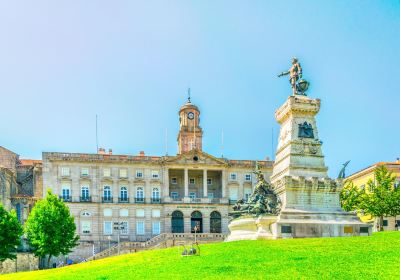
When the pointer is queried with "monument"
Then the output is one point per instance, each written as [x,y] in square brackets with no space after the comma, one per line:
[308,199]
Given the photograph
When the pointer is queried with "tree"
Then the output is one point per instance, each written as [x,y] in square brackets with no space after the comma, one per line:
[50,228]
[381,198]
[10,234]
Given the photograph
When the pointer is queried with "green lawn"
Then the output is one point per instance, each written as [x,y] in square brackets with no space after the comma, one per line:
[376,257]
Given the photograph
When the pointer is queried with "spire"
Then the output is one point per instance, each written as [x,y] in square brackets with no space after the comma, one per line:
[189,95]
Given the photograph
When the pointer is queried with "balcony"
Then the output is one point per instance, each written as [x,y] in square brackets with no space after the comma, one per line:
[123,199]
[155,200]
[195,200]
[106,199]
[85,199]
[66,198]
[139,199]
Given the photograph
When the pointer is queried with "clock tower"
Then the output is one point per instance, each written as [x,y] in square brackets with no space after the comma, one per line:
[190,133]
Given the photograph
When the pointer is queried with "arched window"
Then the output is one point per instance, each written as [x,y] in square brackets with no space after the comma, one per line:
[155,195]
[196,222]
[177,222]
[139,194]
[85,193]
[107,194]
[215,222]
[123,194]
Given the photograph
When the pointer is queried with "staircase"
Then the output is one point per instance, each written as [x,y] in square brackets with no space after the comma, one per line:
[163,240]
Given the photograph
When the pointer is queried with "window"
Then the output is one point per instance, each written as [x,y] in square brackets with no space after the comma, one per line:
[139,227]
[155,213]
[192,181]
[86,227]
[107,172]
[364,230]
[65,171]
[85,192]
[139,174]
[210,195]
[123,194]
[385,223]
[192,195]
[174,180]
[155,193]
[107,228]
[139,194]
[209,181]
[84,171]
[107,193]
[123,173]
[107,212]
[174,195]
[233,176]
[66,192]
[123,212]
[154,174]
[156,228]
[140,213]
[124,228]
[286,229]
[247,177]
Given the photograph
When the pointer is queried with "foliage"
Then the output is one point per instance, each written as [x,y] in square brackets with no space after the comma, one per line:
[50,228]
[350,197]
[308,258]
[10,234]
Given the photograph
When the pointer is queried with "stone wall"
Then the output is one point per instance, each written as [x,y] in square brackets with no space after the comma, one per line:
[24,262]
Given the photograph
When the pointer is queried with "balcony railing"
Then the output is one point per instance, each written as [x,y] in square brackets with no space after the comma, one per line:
[66,198]
[107,199]
[123,199]
[155,200]
[176,199]
[139,199]
[195,200]
[85,199]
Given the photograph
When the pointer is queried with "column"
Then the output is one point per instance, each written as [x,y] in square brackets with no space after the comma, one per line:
[186,182]
[223,179]
[205,194]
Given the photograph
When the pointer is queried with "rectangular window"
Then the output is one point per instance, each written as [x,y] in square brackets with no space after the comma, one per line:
[174,180]
[247,177]
[364,230]
[286,229]
[106,172]
[140,213]
[155,213]
[192,195]
[156,228]
[140,228]
[233,176]
[123,173]
[192,181]
[154,174]
[174,195]
[85,171]
[86,227]
[107,228]
[385,223]
[66,192]
[209,181]
[139,174]
[124,228]
[65,171]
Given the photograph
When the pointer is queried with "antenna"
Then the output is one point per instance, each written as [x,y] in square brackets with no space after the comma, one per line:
[97,138]
[188,94]
[222,143]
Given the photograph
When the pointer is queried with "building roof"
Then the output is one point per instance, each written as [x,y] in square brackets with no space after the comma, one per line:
[29,161]
[372,167]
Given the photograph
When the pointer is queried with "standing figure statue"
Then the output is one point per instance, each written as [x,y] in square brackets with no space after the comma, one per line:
[299,86]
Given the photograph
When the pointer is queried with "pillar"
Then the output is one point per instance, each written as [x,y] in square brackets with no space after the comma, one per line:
[186,182]
[205,194]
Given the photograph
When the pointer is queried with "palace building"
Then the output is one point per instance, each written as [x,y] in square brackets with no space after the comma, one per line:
[138,197]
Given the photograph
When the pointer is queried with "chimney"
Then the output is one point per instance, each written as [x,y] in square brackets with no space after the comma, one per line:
[110,151]
[141,153]
[102,151]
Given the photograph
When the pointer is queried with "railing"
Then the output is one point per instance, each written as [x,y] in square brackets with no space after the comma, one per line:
[66,198]
[123,199]
[106,199]
[139,199]
[195,200]
[85,199]
[176,199]
[155,200]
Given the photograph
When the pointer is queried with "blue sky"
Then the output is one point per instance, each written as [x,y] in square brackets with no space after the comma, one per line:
[130,62]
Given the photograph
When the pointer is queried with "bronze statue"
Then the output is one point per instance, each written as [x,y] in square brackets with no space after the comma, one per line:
[299,86]
[263,200]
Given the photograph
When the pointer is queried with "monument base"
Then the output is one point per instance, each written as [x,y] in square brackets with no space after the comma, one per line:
[252,228]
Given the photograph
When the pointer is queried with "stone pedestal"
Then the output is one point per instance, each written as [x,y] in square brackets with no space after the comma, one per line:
[250,228]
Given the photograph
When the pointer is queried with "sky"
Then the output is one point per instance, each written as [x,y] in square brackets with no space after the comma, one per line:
[131,62]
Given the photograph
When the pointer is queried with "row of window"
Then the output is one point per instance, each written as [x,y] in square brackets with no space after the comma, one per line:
[122,227]
[122,172]
[140,213]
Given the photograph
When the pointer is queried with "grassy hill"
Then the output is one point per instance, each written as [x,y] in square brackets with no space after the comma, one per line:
[376,257]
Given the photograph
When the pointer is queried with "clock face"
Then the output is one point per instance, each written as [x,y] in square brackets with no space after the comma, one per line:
[190,115]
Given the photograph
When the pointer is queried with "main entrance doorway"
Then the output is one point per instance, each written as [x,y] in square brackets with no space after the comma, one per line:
[196,220]
[177,222]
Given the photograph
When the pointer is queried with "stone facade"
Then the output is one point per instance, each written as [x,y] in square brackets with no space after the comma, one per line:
[24,262]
